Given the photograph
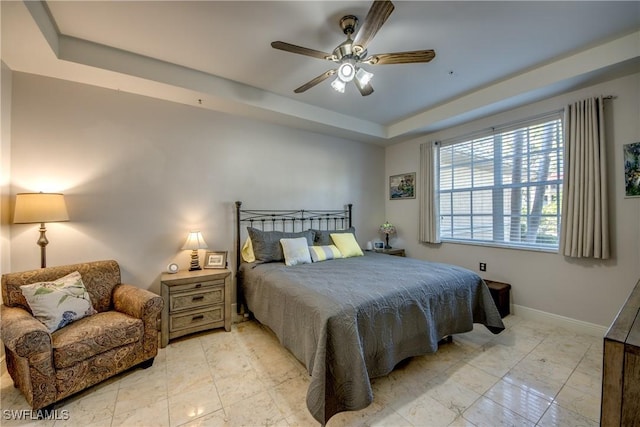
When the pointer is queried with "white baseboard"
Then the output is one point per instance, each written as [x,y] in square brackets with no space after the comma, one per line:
[557,320]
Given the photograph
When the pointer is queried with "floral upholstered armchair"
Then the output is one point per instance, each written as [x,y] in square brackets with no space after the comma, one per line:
[50,360]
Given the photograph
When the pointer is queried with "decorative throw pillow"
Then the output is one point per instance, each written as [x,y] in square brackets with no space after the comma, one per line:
[247,251]
[296,251]
[347,244]
[324,253]
[323,237]
[58,303]
[266,244]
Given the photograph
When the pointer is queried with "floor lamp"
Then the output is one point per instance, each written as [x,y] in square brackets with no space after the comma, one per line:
[32,208]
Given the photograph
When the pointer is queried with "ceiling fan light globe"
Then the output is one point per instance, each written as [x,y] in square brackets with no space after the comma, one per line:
[338,85]
[346,72]
[363,76]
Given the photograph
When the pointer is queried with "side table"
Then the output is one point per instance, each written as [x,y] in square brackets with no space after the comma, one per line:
[393,251]
[195,301]
[500,292]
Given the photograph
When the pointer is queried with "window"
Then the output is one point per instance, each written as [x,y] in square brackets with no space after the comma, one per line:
[503,188]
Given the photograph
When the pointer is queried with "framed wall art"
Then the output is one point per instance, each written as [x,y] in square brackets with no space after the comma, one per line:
[215,259]
[402,186]
[632,170]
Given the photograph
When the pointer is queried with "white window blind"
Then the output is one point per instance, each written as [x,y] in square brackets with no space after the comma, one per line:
[505,187]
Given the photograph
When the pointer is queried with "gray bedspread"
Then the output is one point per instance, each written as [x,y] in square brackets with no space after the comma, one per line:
[349,320]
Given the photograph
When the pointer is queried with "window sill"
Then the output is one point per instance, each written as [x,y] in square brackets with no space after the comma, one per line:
[498,245]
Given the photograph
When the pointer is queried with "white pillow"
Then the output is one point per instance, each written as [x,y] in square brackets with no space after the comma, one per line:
[58,303]
[296,251]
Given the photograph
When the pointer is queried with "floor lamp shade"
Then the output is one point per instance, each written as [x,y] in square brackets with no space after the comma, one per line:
[40,208]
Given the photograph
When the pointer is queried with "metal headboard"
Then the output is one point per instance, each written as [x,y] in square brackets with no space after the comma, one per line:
[288,220]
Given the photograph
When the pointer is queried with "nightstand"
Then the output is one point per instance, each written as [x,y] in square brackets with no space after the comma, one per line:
[500,294]
[396,252]
[195,301]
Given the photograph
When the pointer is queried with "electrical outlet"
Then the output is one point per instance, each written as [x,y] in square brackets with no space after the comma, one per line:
[483,266]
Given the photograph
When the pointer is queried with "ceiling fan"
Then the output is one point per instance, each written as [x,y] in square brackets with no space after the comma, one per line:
[352,53]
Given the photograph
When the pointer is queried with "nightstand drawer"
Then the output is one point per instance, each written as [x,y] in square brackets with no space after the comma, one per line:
[196,318]
[197,298]
[196,285]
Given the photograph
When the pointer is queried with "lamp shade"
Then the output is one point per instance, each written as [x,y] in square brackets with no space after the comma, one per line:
[40,207]
[195,241]
[387,228]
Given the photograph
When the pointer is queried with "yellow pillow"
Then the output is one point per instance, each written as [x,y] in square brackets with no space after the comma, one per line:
[247,251]
[347,244]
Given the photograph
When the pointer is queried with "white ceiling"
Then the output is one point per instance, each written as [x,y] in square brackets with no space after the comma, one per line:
[489,56]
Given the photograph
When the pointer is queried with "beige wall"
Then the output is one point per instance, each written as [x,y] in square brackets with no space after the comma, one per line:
[589,291]
[139,173]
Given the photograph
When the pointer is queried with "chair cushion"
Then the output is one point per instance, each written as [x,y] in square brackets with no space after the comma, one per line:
[90,336]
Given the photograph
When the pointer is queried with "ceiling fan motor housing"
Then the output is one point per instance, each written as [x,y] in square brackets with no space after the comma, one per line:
[348,23]
[347,49]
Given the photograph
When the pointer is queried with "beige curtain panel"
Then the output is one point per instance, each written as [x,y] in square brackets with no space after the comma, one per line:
[429,213]
[585,220]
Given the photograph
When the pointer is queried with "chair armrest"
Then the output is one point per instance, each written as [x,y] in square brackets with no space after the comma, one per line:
[136,302]
[24,334]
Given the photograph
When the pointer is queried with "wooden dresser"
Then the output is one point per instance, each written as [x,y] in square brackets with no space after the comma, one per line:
[195,301]
[621,367]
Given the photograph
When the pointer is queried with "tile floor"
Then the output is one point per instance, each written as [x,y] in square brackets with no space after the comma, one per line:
[531,374]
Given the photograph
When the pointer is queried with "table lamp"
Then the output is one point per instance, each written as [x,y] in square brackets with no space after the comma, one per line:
[386,229]
[194,242]
[40,208]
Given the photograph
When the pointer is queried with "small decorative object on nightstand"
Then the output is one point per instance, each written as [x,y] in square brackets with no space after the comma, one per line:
[195,301]
[387,229]
[194,242]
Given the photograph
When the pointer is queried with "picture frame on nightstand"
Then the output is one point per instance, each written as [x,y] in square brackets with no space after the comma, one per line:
[215,259]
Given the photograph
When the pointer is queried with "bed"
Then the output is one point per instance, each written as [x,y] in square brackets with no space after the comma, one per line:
[352,319]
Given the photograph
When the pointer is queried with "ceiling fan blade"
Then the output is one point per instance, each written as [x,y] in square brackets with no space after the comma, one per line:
[312,83]
[288,47]
[378,14]
[401,57]
[364,90]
